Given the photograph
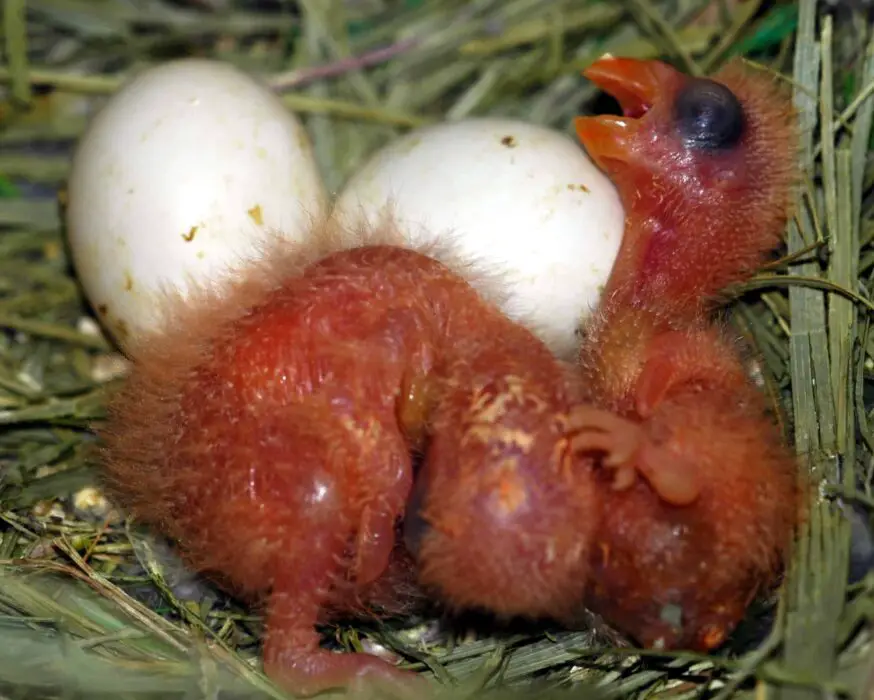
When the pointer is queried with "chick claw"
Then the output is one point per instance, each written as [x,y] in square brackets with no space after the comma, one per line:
[629,451]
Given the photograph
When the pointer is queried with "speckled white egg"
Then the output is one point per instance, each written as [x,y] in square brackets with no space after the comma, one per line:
[181,175]
[519,200]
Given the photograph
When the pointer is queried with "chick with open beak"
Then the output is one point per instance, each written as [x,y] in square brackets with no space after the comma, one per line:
[701,497]
[705,168]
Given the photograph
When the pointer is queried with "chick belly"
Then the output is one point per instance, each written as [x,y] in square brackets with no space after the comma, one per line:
[683,576]
[510,570]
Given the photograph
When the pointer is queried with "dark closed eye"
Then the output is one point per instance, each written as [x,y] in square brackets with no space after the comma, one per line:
[708,116]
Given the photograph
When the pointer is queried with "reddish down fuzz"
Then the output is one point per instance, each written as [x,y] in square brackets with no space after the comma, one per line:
[503,519]
[705,169]
[269,432]
[701,498]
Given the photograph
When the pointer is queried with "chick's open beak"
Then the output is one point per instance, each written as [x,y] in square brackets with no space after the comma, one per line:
[606,139]
[636,85]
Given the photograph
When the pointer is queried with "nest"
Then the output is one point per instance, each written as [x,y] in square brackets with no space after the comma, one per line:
[92,607]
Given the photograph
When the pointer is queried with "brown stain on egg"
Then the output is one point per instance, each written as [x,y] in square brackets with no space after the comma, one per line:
[509,141]
[102,309]
[578,188]
[128,282]
[256,214]
[192,232]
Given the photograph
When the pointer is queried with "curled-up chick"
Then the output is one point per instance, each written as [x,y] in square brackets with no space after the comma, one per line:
[701,497]
[705,168]
[269,429]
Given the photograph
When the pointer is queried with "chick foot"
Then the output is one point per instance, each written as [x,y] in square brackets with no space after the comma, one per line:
[628,449]
[294,660]
[318,670]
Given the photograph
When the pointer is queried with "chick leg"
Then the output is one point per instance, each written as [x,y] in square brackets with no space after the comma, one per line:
[303,586]
[628,449]
[676,361]
[308,481]
[292,656]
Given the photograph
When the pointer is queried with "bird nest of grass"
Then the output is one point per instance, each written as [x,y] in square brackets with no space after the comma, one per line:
[93,606]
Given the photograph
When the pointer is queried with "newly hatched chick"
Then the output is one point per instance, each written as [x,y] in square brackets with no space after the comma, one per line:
[701,497]
[269,430]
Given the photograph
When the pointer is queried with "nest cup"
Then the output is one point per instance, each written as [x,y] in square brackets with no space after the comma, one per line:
[92,605]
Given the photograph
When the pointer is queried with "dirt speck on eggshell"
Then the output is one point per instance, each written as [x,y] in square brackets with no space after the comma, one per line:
[256,215]
[192,232]
[509,141]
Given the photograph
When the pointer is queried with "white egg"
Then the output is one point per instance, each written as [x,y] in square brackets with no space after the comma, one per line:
[519,200]
[183,173]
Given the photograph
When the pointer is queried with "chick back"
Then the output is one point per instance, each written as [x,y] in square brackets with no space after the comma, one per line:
[251,440]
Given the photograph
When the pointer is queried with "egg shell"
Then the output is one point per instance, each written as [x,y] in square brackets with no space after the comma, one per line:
[181,175]
[519,200]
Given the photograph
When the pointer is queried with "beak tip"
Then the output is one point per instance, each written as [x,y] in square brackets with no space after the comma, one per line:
[581,126]
[605,139]
[635,83]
